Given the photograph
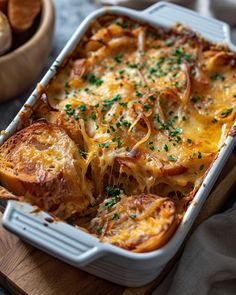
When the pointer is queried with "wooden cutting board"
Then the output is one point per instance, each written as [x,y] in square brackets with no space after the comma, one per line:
[26,270]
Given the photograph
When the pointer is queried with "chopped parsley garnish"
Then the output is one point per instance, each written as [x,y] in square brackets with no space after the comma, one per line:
[179,52]
[126,123]
[195,99]
[69,110]
[118,124]
[152,70]
[160,61]
[202,167]
[175,132]
[199,155]
[99,229]
[226,113]
[189,140]
[214,120]
[139,94]
[169,42]
[104,145]
[92,79]
[123,24]
[152,97]
[171,158]
[119,143]
[217,76]
[67,85]
[178,139]
[123,104]
[82,108]
[112,191]
[118,58]
[151,147]
[110,102]
[111,202]
[133,66]
[133,216]
[165,147]
[82,153]
[115,216]
[146,107]
[93,116]
[161,125]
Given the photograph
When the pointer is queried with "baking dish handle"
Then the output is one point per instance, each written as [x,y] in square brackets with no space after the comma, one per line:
[67,243]
[168,14]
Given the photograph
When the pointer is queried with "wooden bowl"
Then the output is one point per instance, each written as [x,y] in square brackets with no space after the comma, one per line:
[20,68]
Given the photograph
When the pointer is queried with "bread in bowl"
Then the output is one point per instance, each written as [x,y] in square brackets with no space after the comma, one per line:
[5,34]
[22,13]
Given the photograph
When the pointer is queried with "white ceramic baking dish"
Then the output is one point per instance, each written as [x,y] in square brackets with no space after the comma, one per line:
[81,249]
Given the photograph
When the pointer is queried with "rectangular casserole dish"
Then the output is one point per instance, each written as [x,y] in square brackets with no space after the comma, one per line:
[79,248]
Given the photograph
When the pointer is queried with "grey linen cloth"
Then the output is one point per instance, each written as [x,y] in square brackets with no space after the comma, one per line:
[208,263]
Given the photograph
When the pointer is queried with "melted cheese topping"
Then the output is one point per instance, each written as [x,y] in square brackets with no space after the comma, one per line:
[149,110]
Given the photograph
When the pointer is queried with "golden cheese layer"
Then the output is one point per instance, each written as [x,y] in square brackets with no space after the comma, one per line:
[148,110]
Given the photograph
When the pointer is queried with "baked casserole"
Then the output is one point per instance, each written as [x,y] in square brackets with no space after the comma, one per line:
[122,137]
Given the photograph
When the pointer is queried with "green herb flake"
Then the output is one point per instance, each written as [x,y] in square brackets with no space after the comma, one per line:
[189,140]
[171,158]
[82,108]
[175,132]
[93,80]
[126,123]
[119,143]
[118,58]
[195,99]
[199,155]
[123,24]
[110,102]
[123,104]
[139,94]
[165,147]
[226,113]
[152,98]
[133,66]
[133,216]
[115,216]
[67,85]
[169,42]
[93,116]
[104,145]
[146,107]
[217,77]
[112,191]
[202,167]
[99,229]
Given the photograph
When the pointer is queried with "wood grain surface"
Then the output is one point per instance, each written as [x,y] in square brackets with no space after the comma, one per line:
[26,270]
